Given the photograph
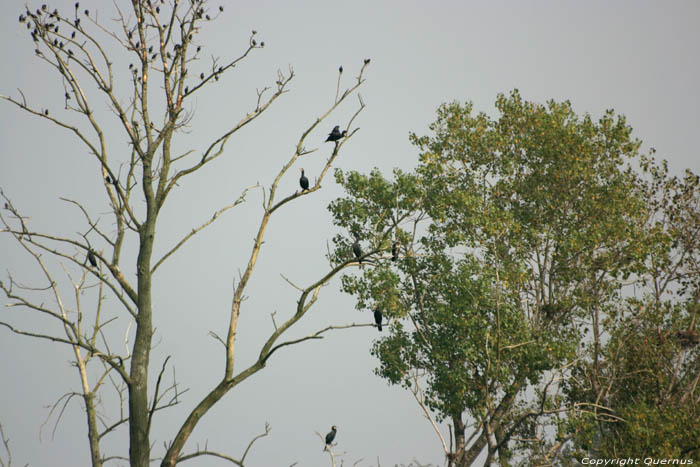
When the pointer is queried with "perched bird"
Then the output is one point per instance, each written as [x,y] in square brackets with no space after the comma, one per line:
[395,251]
[330,437]
[335,135]
[108,179]
[340,70]
[92,259]
[303,182]
[357,250]
[378,319]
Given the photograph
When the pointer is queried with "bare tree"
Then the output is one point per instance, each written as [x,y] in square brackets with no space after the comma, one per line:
[161,39]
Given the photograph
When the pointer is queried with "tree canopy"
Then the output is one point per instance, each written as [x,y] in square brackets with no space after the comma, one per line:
[524,240]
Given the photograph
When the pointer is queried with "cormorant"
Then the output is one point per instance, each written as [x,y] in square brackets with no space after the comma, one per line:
[303,182]
[378,319]
[340,70]
[330,437]
[395,251]
[335,135]
[92,259]
[357,250]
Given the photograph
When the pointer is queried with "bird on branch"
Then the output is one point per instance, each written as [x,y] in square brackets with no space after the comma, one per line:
[336,134]
[330,437]
[357,249]
[378,318]
[91,257]
[395,251]
[303,182]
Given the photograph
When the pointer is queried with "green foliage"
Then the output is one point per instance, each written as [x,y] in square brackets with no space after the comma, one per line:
[516,234]
[644,379]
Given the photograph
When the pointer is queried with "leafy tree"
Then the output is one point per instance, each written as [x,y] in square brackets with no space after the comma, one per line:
[514,234]
[151,101]
[647,372]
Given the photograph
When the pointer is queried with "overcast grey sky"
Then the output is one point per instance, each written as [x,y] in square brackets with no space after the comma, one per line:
[639,57]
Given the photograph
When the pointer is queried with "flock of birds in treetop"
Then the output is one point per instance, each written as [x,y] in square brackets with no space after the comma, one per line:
[334,136]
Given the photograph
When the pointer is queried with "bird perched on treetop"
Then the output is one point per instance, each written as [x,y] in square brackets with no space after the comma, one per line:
[357,249]
[92,259]
[378,319]
[330,437]
[303,182]
[336,134]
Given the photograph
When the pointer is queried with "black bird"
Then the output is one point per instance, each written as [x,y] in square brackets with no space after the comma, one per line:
[335,135]
[92,259]
[395,251]
[357,250]
[340,70]
[330,437]
[303,182]
[108,179]
[378,319]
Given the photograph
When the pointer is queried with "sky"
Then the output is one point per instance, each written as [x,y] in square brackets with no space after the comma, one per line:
[641,58]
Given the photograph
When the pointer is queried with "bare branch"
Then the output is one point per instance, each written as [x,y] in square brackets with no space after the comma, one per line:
[155,394]
[194,231]
[316,335]
[240,462]
[420,398]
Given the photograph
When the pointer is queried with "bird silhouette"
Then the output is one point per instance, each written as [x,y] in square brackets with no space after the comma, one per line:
[395,251]
[357,249]
[336,134]
[378,319]
[303,182]
[92,258]
[330,437]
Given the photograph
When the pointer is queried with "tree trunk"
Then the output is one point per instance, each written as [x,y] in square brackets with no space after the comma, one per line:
[458,454]
[93,434]
[139,446]
[469,457]
[502,447]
